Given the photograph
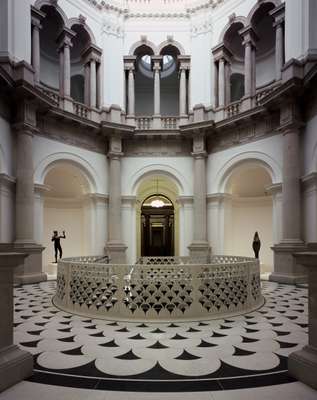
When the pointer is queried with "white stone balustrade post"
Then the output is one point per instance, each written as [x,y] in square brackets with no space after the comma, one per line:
[278,14]
[36,17]
[15,364]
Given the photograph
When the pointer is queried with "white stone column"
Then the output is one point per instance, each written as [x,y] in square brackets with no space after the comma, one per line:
[65,43]
[36,18]
[185,224]
[249,40]
[182,92]
[302,364]
[131,93]
[128,209]
[24,187]
[216,84]
[87,84]
[278,14]
[285,267]
[93,84]
[15,364]
[115,246]
[221,84]
[99,85]
[25,203]
[275,191]
[222,57]
[157,88]
[200,246]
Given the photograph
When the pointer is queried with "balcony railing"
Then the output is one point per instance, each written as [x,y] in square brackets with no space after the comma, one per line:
[81,110]
[233,109]
[144,123]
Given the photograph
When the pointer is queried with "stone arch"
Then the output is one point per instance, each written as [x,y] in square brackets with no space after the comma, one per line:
[77,21]
[172,43]
[158,169]
[235,20]
[141,43]
[258,5]
[49,162]
[40,3]
[256,158]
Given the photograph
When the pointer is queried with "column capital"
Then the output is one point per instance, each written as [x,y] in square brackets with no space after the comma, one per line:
[249,36]
[221,52]
[24,128]
[184,62]
[157,62]
[65,38]
[36,17]
[91,53]
[199,155]
[113,155]
[278,13]
[199,146]
[290,117]
[129,62]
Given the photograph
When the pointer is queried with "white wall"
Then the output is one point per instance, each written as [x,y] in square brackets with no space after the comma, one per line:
[248,216]
[59,217]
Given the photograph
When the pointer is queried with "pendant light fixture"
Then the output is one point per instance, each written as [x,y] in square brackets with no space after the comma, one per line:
[157,202]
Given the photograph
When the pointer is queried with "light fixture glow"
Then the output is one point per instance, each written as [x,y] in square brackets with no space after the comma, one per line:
[157,203]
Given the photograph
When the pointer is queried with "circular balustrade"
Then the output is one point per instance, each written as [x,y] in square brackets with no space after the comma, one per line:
[159,288]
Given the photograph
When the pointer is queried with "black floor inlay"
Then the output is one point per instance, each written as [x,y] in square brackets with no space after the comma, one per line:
[238,352]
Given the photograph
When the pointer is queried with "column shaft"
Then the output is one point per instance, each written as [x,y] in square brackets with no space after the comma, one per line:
[87,84]
[216,84]
[291,186]
[221,85]
[98,89]
[279,50]
[131,93]
[115,199]
[61,72]
[24,188]
[182,92]
[66,70]
[227,83]
[157,92]
[200,203]
[248,69]
[93,80]
[36,52]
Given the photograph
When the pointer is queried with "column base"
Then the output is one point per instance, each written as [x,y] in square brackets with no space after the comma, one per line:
[286,269]
[116,252]
[15,365]
[31,270]
[302,365]
[200,250]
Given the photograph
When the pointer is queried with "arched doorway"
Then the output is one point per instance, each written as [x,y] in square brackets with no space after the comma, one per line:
[157,226]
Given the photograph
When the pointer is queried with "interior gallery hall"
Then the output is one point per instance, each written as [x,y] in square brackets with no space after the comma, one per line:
[158,199]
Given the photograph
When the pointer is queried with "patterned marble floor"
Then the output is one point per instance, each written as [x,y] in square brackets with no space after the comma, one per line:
[239,352]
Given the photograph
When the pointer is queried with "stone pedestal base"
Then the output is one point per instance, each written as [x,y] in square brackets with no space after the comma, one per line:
[68,104]
[130,120]
[157,122]
[200,250]
[15,365]
[116,252]
[303,365]
[31,270]
[286,269]
[247,103]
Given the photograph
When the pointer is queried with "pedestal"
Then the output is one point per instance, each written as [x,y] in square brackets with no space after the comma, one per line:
[302,364]
[116,252]
[201,251]
[31,270]
[15,364]
[286,268]
[157,122]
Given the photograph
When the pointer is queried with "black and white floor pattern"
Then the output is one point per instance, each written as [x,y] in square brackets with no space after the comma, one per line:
[239,352]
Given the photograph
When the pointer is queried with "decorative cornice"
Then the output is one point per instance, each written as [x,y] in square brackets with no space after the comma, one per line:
[275,188]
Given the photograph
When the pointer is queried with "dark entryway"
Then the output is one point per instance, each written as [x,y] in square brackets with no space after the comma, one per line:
[157,229]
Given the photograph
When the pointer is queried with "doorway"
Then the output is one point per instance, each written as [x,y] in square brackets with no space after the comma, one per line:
[157,226]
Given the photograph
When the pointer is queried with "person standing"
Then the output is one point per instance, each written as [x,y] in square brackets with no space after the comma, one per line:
[57,244]
[256,245]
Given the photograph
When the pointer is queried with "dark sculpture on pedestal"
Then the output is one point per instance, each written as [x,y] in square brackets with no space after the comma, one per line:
[256,245]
